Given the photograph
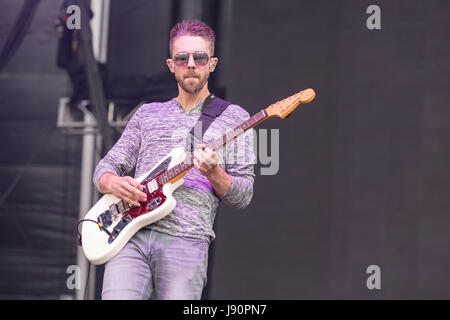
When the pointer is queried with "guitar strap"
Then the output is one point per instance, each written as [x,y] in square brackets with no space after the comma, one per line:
[212,108]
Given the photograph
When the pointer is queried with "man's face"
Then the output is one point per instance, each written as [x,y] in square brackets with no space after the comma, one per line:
[191,76]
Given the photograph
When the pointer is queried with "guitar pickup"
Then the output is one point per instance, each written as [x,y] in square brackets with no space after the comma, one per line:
[105,219]
[119,227]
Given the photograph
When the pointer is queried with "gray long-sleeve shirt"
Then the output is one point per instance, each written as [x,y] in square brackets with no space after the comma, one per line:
[157,128]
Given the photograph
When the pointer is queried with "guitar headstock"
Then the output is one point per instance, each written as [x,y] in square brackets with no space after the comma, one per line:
[284,107]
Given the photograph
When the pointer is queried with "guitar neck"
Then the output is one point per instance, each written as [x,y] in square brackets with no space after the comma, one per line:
[233,134]
[214,145]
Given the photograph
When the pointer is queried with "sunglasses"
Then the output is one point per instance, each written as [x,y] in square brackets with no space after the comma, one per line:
[181,59]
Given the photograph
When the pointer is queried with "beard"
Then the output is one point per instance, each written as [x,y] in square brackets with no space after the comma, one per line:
[191,85]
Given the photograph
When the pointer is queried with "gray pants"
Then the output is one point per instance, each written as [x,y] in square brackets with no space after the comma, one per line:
[154,265]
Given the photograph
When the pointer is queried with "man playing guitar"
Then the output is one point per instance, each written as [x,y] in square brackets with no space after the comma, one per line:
[168,258]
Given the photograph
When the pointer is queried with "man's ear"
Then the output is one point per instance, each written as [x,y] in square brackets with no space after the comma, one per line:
[171,65]
[213,63]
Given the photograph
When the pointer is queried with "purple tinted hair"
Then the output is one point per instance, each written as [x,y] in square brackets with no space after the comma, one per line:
[192,28]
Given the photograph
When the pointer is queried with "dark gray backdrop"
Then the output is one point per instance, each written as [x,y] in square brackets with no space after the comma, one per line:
[363,177]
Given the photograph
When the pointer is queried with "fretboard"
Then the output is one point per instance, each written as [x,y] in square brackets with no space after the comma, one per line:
[213,145]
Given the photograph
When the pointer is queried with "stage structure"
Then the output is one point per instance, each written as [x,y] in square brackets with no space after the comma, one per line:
[68,120]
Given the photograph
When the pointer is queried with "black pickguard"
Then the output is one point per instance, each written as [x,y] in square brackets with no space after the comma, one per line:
[162,167]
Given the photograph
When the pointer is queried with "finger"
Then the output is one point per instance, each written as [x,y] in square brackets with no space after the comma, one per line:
[208,156]
[201,146]
[199,156]
[133,203]
[201,166]
[207,150]
[129,196]
[125,193]
[134,183]
[197,164]
[138,193]
[130,201]
[211,153]
[212,157]
[210,161]
[136,188]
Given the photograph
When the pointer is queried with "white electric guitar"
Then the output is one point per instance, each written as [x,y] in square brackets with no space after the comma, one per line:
[115,222]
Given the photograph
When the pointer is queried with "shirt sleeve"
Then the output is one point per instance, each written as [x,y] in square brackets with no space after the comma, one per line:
[122,157]
[240,160]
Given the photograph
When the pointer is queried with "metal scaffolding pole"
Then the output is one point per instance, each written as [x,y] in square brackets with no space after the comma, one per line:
[86,190]
[91,151]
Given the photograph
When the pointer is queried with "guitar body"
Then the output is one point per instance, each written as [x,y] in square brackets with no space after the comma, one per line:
[98,245]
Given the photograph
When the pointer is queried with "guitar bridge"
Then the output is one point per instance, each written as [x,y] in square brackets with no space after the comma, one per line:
[119,227]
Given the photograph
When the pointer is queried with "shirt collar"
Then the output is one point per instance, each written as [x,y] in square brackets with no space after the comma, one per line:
[196,110]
